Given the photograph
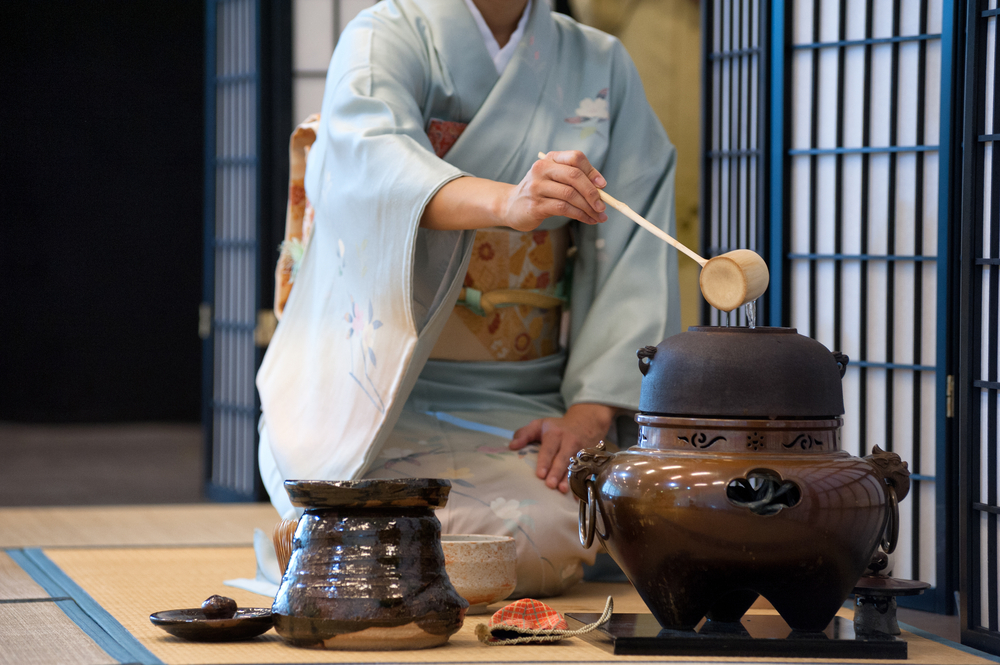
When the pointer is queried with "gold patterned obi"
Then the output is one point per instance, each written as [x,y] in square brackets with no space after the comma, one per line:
[508,267]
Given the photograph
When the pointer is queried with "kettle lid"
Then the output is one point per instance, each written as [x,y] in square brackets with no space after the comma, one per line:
[735,372]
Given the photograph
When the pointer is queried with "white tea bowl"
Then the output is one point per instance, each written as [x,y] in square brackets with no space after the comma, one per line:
[481,568]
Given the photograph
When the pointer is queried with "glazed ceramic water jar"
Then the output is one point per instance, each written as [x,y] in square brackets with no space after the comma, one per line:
[366,570]
[737,486]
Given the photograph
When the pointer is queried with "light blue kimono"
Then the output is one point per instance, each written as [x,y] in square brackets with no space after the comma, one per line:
[345,385]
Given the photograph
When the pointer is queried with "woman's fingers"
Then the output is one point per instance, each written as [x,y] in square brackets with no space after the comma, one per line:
[548,453]
[561,438]
[558,446]
[577,159]
[530,433]
[557,475]
[553,453]
[550,439]
[560,186]
[579,177]
[558,198]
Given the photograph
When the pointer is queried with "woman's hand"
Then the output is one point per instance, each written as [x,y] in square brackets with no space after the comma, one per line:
[563,184]
[561,438]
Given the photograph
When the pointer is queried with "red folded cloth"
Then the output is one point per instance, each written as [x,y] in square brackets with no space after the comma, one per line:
[530,621]
[528,615]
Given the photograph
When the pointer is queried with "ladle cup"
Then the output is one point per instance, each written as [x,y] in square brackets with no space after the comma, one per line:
[727,281]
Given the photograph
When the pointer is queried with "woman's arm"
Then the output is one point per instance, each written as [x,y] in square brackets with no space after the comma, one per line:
[564,184]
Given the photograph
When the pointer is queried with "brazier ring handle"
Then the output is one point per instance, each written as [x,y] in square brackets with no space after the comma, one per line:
[583,470]
[896,476]
[588,517]
[891,536]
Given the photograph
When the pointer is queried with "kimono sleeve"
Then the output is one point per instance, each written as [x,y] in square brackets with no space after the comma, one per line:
[334,378]
[376,166]
[625,293]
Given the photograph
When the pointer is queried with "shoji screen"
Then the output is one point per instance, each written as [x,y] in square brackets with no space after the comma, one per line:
[232,194]
[733,177]
[861,251]
[980,369]
[821,153]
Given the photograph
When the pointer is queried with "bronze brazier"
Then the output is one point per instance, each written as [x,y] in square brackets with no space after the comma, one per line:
[737,486]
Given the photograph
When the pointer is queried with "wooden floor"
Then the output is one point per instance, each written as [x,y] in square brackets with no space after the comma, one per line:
[87,465]
[131,464]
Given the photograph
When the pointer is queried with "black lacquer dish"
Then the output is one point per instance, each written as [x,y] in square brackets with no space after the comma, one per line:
[193,625]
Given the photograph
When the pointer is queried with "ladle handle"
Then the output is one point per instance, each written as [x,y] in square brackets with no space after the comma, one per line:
[649,226]
[641,221]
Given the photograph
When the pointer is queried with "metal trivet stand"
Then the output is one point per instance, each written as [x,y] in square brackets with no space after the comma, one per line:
[753,636]
[872,634]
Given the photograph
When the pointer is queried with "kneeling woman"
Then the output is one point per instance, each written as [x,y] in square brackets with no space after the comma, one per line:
[463,310]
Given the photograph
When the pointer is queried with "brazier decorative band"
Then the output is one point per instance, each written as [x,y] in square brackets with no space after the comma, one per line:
[739,436]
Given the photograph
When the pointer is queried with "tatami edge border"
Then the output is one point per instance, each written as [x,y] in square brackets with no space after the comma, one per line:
[83,610]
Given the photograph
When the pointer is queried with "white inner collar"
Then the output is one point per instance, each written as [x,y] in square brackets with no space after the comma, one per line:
[500,56]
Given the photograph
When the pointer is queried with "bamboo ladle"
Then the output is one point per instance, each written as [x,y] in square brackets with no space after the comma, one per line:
[727,281]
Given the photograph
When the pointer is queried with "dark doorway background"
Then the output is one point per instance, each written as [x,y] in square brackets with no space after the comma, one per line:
[102,155]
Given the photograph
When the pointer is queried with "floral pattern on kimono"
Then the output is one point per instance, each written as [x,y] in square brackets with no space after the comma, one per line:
[590,112]
[365,328]
[508,259]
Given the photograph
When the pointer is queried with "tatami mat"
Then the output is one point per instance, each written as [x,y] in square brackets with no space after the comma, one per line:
[15,584]
[125,526]
[134,582]
[172,578]
[135,560]
[42,634]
